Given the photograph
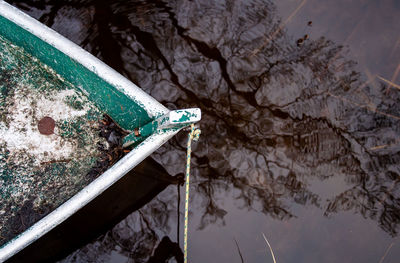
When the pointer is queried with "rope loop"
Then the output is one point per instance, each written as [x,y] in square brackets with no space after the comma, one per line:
[194,133]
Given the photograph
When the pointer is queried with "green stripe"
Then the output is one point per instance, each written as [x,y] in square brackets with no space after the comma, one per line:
[119,106]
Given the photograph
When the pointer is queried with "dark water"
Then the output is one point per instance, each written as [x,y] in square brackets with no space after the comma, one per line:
[300,134]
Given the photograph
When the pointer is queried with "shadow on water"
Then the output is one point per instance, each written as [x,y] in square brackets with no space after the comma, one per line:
[287,128]
[130,193]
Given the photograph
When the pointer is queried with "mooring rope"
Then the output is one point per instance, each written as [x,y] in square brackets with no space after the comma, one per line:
[194,134]
[178,227]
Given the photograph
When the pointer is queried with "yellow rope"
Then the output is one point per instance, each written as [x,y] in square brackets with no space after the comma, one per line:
[194,134]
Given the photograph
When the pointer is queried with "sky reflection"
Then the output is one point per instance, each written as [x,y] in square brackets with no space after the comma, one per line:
[300,142]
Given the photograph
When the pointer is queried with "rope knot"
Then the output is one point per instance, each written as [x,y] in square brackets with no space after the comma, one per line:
[194,133]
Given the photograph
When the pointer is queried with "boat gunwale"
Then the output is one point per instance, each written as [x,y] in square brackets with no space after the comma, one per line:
[114,173]
[83,57]
[87,194]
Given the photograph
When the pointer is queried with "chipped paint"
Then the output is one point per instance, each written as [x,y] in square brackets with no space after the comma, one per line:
[126,104]
[100,84]
[185,116]
[176,120]
[46,168]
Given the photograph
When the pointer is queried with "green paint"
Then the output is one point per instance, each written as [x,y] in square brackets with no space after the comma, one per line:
[37,68]
[117,105]
[74,102]
[186,116]
[29,174]
[144,132]
[149,129]
[173,120]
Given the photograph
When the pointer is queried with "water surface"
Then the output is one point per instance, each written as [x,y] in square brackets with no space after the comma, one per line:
[300,130]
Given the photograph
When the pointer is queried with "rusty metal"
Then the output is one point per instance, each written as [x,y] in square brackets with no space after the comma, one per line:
[136,131]
[46,125]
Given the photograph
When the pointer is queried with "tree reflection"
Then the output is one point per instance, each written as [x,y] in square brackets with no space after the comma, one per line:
[275,115]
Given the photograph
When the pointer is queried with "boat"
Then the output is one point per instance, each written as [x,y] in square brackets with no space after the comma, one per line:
[148,179]
[70,127]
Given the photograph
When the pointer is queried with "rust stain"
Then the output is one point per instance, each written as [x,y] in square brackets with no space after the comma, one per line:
[56,161]
[136,131]
[46,125]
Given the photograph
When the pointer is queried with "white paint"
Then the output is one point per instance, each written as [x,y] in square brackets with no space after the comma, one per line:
[29,149]
[153,107]
[171,120]
[188,116]
[121,167]
[86,195]
[23,134]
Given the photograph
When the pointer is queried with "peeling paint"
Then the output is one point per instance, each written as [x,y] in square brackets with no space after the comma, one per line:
[176,120]
[102,85]
[99,82]
[45,170]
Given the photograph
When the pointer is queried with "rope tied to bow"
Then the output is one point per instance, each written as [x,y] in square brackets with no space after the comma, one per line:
[194,134]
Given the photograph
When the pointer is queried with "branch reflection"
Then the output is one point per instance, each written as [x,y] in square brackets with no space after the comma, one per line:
[276,115]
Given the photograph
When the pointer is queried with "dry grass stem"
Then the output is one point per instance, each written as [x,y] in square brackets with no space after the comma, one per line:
[395,46]
[362,86]
[371,79]
[385,145]
[386,252]
[396,73]
[367,100]
[279,29]
[390,83]
[270,248]
[373,109]
[331,61]
[240,253]
[356,27]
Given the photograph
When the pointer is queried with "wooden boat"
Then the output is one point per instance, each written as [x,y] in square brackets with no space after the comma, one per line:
[54,97]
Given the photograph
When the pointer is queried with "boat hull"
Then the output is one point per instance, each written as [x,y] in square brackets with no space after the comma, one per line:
[130,193]
[113,94]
